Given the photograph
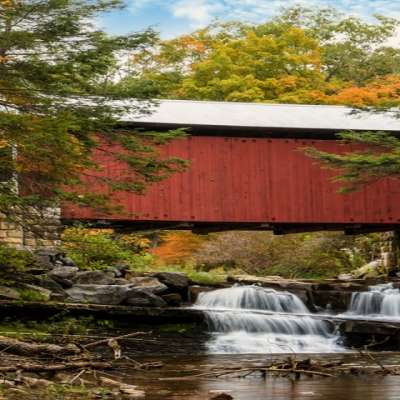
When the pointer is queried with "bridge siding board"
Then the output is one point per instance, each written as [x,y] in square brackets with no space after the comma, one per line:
[257,180]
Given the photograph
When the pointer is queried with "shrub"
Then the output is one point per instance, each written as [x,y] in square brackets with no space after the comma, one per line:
[12,259]
[311,255]
[94,249]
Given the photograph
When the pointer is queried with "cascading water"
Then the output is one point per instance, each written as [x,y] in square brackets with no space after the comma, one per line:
[381,301]
[251,319]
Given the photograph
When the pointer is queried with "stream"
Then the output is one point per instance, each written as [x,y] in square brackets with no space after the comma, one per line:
[254,387]
[249,325]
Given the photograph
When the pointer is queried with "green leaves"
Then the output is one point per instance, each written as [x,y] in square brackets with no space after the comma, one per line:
[378,156]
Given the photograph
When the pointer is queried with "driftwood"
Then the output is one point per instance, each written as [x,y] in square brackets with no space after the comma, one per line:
[37,367]
[105,341]
[297,368]
[16,346]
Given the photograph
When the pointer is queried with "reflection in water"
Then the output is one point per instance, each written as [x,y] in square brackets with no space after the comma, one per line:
[238,325]
[369,387]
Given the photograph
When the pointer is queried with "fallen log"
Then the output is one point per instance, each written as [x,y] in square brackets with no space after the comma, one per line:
[36,367]
[15,346]
[106,340]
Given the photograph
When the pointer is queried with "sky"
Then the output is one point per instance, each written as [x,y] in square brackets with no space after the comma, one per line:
[174,17]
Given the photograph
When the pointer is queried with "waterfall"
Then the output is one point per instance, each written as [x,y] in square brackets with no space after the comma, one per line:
[252,319]
[380,301]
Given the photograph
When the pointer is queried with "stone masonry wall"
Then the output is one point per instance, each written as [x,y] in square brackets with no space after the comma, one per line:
[41,229]
[11,233]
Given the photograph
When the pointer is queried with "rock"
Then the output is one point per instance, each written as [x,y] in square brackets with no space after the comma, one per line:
[120,281]
[129,391]
[374,269]
[123,269]
[114,271]
[174,280]
[47,256]
[7,293]
[149,283]
[221,396]
[131,274]
[337,300]
[172,299]
[93,277]
[131,394]
[46,282]
[98,294]
[272,282]
[63,272]
[143,298]
[63,275]
[58,297]
[67,261]
[195,290]
[345,277]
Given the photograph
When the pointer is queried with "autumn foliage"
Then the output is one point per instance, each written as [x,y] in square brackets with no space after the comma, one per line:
[293,58]
[177,246]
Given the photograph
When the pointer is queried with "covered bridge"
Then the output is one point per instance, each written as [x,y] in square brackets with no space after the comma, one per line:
[247,171]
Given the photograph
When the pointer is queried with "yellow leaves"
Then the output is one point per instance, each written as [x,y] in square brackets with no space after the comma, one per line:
[6,3]
[4,143]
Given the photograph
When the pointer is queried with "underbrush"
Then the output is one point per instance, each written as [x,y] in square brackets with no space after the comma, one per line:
[214,276]
[101,249]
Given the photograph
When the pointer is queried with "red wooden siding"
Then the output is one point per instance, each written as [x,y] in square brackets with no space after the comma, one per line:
[258,180]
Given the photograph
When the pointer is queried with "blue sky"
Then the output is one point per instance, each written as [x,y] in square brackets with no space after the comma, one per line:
[174,17]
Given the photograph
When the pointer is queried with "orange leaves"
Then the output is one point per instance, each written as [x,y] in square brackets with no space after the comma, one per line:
[382,92]
[177,246]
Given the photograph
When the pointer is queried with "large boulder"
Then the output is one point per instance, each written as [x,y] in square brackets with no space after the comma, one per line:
[143,298]
[98,294]
[374,269]
[63,273]
[46,282]
[93,277]
[174,280]
[149,283]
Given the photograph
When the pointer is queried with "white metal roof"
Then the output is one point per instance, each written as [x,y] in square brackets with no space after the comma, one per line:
[261,115]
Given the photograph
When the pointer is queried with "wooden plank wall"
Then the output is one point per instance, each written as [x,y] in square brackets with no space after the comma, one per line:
[250,180]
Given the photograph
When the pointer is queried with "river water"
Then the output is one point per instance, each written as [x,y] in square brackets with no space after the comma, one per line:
[250,326]
[364,387]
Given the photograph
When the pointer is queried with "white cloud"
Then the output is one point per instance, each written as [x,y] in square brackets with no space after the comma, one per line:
[136,5]
[198,12]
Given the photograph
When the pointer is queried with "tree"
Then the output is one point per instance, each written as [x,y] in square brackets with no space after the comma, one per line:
[301,56]
[352,50]
[58,103]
